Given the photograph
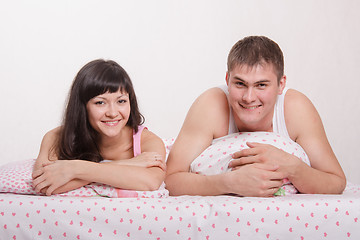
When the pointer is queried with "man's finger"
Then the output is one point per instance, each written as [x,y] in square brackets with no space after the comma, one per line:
[244,153]
[242,161]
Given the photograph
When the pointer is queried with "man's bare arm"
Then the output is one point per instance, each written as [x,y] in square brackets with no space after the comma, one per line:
[207,119]
[305,126]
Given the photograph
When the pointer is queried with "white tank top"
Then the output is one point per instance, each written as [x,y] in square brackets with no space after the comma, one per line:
[279,125]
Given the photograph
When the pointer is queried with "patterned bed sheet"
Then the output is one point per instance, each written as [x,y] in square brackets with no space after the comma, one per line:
[159,216]
[299,216]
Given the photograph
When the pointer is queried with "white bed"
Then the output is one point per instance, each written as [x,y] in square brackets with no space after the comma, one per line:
[159,216]
[298,216]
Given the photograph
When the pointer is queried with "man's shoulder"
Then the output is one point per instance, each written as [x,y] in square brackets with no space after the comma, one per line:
[296,99]
[299,113]
[209,113]
[214,94]
[212,100]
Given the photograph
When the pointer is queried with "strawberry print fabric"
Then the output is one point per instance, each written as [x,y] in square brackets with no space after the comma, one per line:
[216,158]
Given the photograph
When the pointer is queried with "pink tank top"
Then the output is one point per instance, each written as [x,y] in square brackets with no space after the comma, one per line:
[137,151]
[137,140]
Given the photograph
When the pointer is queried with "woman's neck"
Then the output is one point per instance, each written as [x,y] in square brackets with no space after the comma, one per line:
[114,147]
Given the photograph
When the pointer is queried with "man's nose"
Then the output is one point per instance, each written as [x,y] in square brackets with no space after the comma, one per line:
[249,95]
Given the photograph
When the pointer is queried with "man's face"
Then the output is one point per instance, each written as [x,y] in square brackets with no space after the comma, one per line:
[253,93]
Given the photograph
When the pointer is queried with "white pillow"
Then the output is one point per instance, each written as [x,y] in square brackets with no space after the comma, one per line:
[16,178]
[216,158]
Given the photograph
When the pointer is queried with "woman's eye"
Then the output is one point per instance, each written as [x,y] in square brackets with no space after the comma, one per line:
[99,102]
[122,101]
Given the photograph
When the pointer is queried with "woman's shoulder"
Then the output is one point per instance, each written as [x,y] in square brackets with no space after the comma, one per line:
[150,141]
[147,135]
[53,133]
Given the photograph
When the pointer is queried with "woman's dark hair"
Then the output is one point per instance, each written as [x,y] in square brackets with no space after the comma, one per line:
[77,139]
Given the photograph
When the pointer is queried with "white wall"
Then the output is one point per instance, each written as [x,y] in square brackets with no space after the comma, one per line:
[173,51]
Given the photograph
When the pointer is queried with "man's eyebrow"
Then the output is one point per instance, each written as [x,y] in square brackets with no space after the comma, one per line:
[262,81]
[257,82]
[239,79]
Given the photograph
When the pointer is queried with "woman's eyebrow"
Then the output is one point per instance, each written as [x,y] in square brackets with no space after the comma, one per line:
[123,95]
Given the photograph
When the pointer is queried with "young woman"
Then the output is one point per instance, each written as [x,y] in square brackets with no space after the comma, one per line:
[101,138]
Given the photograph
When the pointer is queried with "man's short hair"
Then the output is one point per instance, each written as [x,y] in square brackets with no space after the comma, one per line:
[254,50]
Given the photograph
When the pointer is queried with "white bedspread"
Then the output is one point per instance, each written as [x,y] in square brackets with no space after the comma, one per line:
[298,216]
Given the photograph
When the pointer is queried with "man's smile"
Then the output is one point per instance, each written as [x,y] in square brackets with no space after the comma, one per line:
[250,107]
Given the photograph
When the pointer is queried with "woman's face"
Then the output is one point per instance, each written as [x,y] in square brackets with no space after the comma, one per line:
[108,113]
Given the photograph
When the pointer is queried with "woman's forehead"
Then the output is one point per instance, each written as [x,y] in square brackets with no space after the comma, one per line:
[119,93]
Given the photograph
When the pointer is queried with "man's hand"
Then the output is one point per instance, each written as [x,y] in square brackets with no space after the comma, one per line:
[266,154]
[255,180]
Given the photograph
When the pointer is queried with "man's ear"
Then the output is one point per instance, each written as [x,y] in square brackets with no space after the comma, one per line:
[282,84]
[227,78]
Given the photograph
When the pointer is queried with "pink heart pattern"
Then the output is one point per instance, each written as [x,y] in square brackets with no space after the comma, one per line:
[216,158]
[16,178]
[300,216]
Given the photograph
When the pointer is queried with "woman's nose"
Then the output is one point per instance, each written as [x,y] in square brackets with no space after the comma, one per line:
[111,111]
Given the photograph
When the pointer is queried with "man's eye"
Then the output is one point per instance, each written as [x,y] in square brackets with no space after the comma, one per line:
[240,83]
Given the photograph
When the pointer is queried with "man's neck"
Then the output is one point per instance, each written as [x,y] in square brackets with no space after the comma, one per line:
[264,126]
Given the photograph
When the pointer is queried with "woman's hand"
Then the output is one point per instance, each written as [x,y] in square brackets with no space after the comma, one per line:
[53,175]
[145,159]
[40,163]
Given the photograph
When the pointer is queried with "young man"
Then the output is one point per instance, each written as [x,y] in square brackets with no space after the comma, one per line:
[255,99]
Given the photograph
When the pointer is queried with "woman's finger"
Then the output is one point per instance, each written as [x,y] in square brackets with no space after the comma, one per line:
[37,180]
[38,187]
[38,172]
[163,166]
[48,163]
[50,190]
[160,164]
[43,191]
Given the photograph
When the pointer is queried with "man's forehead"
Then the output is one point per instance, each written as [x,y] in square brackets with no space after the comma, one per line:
[264,66]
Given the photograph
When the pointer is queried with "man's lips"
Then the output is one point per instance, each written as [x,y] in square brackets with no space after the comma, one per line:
[250,107]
